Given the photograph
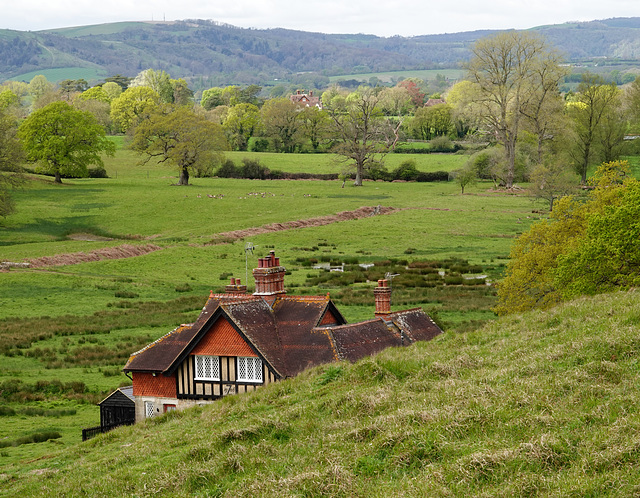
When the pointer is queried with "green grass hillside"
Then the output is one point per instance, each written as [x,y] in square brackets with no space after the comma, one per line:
[543,404]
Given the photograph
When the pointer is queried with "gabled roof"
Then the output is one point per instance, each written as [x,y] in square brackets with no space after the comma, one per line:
[280,333]
[121,396]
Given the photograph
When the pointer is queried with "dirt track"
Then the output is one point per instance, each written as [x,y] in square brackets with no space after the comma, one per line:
[130,251]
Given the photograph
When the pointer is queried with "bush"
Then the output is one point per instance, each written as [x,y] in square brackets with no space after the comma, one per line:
[253,170]
[407,171]
[443,144]
[259,145]
[432,176]
[98,172]
[228,170]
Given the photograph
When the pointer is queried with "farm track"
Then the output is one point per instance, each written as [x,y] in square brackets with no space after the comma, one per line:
[131,251]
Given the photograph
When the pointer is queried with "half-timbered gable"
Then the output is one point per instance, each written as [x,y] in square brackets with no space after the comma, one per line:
[241,342]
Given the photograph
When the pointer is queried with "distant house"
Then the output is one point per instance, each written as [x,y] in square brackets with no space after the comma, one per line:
[306,99]
[243,341]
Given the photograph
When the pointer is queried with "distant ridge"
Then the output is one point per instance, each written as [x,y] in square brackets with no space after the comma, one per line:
[210,53]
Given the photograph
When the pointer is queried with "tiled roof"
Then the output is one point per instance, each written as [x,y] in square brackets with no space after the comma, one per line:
[286,332]
[357,340]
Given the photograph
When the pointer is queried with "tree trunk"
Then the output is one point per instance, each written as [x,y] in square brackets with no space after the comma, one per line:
[184,176]
[359,174]
[58,178]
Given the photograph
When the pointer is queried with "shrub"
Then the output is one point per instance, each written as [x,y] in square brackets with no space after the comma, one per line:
[98,172]
[228,170]
[183,288]
[443,144]
[407,171]
[259,145]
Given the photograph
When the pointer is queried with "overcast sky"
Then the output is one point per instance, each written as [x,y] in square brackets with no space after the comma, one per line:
[382,17]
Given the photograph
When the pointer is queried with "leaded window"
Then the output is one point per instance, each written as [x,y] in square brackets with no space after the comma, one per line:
[149,409]
[249,369]
[207,367]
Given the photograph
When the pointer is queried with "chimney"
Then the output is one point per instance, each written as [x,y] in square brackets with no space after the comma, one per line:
[382,294]
[235,287]
[269,276]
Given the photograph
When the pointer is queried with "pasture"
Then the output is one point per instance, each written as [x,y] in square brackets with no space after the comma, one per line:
[67,329]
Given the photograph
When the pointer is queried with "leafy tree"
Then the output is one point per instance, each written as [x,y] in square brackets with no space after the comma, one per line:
[68,87]
[240,124]
[95,93]
[38,86]
[546,261]
[433,121]
[358,124]
[8,99]
[121,81]
[64,140]
[315,125]
[133,103]
[212,97]
[180,137]
[552,181]
[464,176]
[282,121]
[414,92]
[593,101]
[159,81]
[182,94]
[11,155]
[506,69]
[112,90]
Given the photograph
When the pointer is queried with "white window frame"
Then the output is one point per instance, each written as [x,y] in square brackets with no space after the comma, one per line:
[149,409]
[207,367]
[249,369]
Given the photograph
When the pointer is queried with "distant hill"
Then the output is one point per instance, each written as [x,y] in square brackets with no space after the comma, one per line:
[210,53]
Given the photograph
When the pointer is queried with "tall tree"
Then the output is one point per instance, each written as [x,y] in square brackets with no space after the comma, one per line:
[241,122]
[11,156]
[131,104]
[282,121]
[358,124]
[594,100]
[506,68]
[180,137]
[64,140]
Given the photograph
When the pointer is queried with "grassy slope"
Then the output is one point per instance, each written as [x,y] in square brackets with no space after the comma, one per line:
[540,404]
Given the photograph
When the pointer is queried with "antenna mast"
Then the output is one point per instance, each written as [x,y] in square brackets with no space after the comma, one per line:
[248,248]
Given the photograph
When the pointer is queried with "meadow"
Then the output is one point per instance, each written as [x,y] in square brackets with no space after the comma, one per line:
[66,330]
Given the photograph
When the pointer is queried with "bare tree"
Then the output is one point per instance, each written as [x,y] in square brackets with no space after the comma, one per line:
[507,69]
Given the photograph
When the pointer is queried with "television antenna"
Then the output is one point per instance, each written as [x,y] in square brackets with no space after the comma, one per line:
[390,276]
[248,248]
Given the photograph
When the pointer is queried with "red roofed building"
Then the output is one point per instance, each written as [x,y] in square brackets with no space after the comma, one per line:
[306,99]
[241,342]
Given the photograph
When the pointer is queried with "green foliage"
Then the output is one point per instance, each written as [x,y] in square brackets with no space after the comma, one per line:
[64,140]
[131,104]
[180,137]
[570,254]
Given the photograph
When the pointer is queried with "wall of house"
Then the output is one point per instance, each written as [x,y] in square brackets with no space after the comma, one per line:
[190,388]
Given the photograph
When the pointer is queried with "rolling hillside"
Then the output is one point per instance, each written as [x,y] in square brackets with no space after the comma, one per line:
[209,53]
[538,404]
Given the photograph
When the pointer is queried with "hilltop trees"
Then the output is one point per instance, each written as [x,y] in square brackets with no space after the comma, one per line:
[180,137]
[513,72]
[64,140]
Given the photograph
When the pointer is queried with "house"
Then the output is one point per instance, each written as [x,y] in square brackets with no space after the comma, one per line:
[243,341]
[432,102]
[306,99]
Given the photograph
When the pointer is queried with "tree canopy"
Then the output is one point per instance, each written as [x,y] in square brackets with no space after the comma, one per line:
[180,137]
[64,140]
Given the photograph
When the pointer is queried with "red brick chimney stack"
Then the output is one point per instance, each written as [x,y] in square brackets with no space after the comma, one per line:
[235,287]
[382,294]
[269,276]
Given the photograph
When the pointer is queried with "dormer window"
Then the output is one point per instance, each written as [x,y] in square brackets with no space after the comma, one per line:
[207,367]
[249,369]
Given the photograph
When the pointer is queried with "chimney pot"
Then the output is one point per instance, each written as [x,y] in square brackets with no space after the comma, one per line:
[233,281]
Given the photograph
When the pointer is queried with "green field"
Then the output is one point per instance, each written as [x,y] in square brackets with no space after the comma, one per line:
[63,73]
[108,309]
